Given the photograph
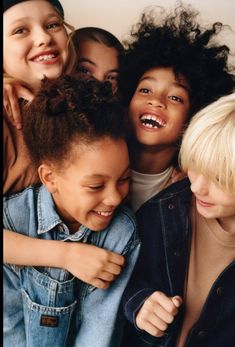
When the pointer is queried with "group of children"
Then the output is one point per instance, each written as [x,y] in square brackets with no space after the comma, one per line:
[77,139]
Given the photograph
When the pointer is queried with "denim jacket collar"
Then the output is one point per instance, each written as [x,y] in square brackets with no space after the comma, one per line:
[48,217]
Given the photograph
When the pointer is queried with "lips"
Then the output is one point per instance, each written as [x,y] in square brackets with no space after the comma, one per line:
[152,121]
[48,56]
[104,213]
[204,203]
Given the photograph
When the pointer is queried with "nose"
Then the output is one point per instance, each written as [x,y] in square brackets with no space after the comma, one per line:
[113,198]
[156,101]
[200,185]
[99,76]
[42,38]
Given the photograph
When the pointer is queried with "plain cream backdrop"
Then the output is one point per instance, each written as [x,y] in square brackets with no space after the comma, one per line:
[117,16]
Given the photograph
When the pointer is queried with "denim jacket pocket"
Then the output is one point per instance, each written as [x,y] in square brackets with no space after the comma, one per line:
[46,325]
[48,306]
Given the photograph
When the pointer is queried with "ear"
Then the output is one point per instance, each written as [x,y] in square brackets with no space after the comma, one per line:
[48,177]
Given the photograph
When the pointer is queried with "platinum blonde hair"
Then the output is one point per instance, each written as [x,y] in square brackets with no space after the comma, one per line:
[208,144]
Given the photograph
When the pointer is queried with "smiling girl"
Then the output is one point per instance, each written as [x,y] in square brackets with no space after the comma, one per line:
[172,67]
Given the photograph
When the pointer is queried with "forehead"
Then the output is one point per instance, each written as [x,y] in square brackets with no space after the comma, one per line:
[28,9]
[166,74]
[91,47]
[103,155]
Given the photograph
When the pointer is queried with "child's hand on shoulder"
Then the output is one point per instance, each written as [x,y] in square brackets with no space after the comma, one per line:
[11,95]
[93,265]
[157,312]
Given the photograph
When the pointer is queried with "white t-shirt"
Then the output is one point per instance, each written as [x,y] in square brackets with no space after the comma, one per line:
[145,186]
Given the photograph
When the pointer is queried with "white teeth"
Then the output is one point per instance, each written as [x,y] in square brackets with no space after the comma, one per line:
[45,57]
[152,121]
[105,214]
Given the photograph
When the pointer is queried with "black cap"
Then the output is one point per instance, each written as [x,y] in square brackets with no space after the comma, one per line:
[9,3]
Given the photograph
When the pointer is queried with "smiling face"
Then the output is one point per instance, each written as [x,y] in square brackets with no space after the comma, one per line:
[35,42]
[159,107]
[100,61]
[212,201]
[94,183]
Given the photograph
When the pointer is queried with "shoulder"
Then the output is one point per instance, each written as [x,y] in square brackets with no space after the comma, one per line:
[121,234]
[124,215]
[19,206]
[175,190]
[173,201]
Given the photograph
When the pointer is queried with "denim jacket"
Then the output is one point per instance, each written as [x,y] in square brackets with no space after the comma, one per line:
[45,307]
[164,231]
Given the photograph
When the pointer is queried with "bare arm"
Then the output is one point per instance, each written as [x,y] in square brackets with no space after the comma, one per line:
[89,263]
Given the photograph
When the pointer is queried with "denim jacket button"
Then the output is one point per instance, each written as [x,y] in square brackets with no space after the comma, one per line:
[201,333]
[171,206]
[219,291]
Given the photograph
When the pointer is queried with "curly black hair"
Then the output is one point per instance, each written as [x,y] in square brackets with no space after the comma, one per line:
[178,41]
[69,110]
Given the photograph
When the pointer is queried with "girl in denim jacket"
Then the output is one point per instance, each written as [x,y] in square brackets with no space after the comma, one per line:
[182,289]
[74,132]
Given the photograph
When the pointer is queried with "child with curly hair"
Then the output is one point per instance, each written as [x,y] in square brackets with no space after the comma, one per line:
[172,68]
[182,289]
[71,128]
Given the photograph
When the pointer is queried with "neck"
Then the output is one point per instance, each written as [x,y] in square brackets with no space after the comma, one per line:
[151,160]
[228,224]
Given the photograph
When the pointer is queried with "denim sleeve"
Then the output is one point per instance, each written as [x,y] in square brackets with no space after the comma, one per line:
[148,274]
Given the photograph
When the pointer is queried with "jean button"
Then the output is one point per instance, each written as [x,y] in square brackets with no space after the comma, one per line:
[219,291]
[171,206]
[202,334]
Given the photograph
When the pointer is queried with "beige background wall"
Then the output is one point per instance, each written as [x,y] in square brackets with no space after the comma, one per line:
[118,16]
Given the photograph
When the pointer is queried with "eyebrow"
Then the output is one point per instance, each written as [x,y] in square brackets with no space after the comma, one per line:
[176,83]
[21,21]
[105,176]
[85,60]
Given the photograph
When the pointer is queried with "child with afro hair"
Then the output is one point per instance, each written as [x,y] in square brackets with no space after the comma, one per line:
[172,68]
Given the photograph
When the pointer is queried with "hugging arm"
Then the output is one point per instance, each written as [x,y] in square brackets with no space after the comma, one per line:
[91,264]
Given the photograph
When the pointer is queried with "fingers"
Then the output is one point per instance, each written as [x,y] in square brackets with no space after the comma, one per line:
[151,329]
[116,258]
[157,312]
[165,302]
[177,300]
[11,105]
[24,93]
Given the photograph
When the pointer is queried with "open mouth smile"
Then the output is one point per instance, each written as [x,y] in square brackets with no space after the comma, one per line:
[104,213]
[152,121]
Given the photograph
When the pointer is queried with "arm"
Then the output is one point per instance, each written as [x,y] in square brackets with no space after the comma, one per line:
[89,263]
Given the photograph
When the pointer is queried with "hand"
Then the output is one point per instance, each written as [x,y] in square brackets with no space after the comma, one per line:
[93,265]
[11,95]
[157,312]
[177,175]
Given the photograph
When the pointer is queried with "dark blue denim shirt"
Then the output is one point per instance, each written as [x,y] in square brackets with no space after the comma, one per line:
[164,230]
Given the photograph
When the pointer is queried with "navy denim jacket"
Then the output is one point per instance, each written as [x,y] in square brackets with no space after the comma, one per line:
[165,236]
[45,307]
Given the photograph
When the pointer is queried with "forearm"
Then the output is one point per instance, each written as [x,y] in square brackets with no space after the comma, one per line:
[19,249]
